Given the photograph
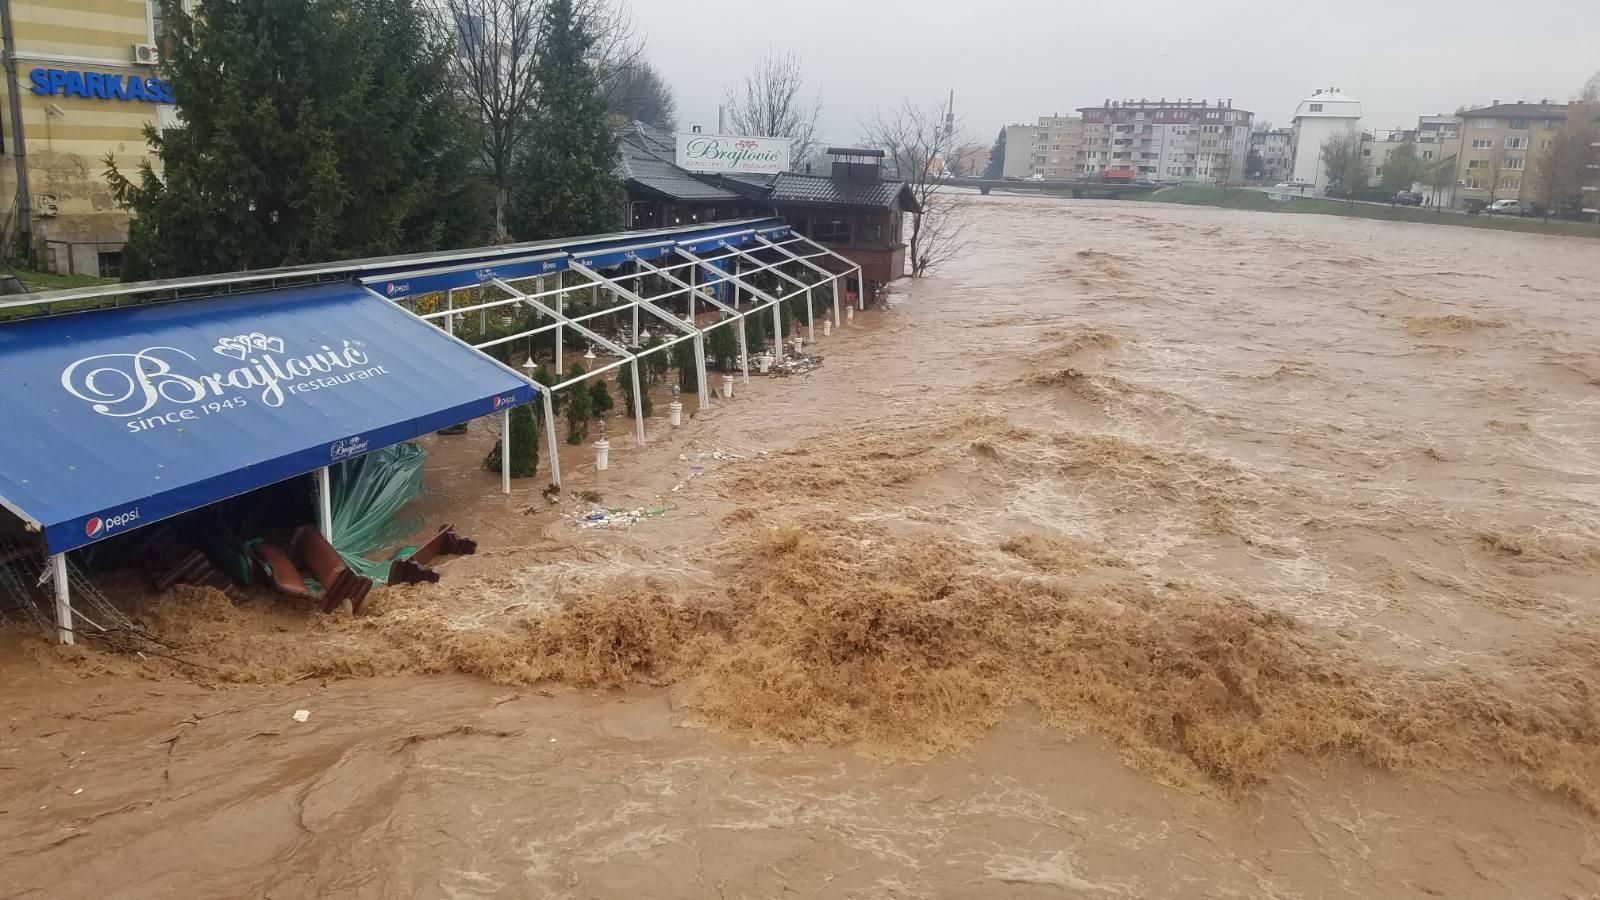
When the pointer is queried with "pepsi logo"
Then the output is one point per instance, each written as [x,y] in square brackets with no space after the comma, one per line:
[98,527]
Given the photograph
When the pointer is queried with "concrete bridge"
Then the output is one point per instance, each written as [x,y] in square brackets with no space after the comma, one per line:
[1077,189]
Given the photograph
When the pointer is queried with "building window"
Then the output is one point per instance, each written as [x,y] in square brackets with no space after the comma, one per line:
[110,263]
[830,231]
[1316,107]
[1514,163]
[1379,171]
[1477,163]
[1519,124]
[1511,183]
[1482,144]
[871,233]
[1483,124]
[1427,154]
[1516,143]
[1470,183]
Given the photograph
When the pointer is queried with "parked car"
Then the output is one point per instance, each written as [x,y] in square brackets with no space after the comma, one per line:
[1504,208]
[1408,198]
[1037,176]
[1473,207]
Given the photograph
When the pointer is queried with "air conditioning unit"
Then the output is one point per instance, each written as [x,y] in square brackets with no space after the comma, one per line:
[144,54]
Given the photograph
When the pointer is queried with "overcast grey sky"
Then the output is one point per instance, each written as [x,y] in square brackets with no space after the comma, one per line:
[1015,60]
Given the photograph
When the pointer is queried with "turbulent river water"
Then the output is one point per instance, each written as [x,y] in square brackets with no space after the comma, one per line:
[1144,552]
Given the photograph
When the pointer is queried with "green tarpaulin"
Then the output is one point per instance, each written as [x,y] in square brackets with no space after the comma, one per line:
[368,494]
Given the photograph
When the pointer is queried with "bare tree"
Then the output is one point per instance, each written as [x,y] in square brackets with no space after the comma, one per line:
[770,103]
[495,52]
[919,141]
[1343,164]
[1591,91]
[639,93]
[497,48]
[618,47]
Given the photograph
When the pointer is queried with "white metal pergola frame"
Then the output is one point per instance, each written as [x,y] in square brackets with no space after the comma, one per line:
[695,278]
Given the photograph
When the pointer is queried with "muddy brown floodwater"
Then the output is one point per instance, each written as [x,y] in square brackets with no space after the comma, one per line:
[1145,552]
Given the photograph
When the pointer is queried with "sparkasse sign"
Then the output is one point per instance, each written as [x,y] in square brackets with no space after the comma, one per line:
[732,153]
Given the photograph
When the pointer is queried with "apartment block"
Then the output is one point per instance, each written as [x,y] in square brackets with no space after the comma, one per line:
[1276,149]
[1019,151]
[1376,147]
[1196,141]
[1501,146]
[1438,143]
[1055,146]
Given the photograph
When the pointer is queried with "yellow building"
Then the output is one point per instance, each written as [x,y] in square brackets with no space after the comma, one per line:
[1500,149]
[81,85]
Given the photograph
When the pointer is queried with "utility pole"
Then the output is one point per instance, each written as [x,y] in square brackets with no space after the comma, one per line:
[19,146]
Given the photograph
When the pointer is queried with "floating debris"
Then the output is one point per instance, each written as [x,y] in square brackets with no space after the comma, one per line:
[796,365]
[615,518]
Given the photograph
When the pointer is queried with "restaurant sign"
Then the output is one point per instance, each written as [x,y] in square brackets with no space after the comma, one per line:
[732,153]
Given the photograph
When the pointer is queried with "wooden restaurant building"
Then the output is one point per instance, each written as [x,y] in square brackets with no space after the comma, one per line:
[855,210]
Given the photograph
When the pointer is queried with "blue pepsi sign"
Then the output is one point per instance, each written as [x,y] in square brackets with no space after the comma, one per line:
[102,85]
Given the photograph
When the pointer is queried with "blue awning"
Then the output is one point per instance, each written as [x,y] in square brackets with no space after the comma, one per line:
[119,418]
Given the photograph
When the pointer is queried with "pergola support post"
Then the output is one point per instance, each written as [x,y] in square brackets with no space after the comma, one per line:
[325,502]
[638,403]
[638,289]
[64,624]
[505,450]
[561,316]
[550,438]
[700,363]
[744,349]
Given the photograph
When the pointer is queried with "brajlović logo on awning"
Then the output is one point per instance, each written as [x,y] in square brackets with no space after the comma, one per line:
[145,386]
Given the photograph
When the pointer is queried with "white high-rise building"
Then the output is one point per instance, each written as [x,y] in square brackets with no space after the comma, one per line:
[1317,118]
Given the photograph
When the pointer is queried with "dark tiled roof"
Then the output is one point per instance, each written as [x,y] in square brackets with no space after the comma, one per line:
[1519,111]
[797,189]
[792,187]
[644,158]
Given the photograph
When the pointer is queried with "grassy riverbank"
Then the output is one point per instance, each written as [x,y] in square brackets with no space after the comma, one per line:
[1249,198]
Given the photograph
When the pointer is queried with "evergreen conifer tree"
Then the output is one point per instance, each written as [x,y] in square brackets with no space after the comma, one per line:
[579,407]
[997,158]
[311,130]
[566,181]
[524,444]
[600,401]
